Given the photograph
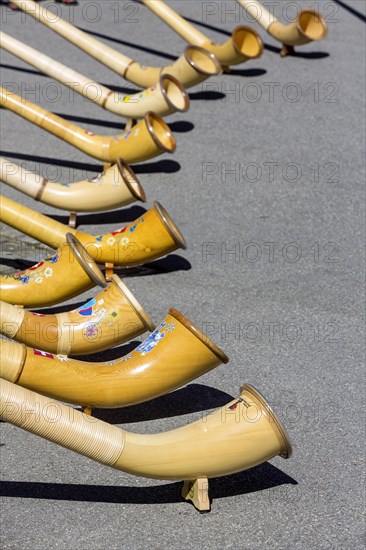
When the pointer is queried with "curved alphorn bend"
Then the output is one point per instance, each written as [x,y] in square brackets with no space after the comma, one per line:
[308,26]
[152,235]
[173,355]
[117,186]
[244,43]
[164,98]
[242,434]
[191,68]
[147,139]
[109,319]
[65,274]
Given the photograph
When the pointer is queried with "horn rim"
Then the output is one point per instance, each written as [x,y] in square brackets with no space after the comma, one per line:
[286,452]
[320,20]
[175,81]
[199,334]
[136,188]
[255,34]
[150,117]
[212,56]
[170,226]
[142,314]
[86,261]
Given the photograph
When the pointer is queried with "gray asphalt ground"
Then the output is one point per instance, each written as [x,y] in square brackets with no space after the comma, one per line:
[272,153]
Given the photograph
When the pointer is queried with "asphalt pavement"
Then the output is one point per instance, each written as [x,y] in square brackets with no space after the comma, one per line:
[267,186]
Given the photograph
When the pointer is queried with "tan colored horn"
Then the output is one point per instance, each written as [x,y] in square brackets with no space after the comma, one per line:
[244,43]
[194,66]
[244,433]
[164,98]
[149,138]
[65,274]
[117,186]
[308,26]
[111,318]
[151,236]
[173,355]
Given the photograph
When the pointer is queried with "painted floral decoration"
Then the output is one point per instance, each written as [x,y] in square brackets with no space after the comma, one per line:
[152,341]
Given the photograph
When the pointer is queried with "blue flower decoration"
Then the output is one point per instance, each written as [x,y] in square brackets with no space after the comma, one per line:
[54,258]
[25,280]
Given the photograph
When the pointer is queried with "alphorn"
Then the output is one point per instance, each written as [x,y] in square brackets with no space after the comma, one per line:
[164,98]
[242,434]
[111,318]
[65,274]
[244,43]
[150,137]
[152,235]
[117,186]
[173,355]
[308,26]
[191,68]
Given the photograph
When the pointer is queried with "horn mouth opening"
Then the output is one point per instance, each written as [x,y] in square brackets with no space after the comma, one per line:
[199,334]
[174,93]
[247,42]
[202,60]
[131,180]
[145,318]
[170,226]
[286,450]
[86,261]
[160,132]
[312,25]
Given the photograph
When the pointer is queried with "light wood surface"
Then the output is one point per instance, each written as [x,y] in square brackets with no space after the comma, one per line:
[308,26]
[173,355]
[59,277]
[152,235]
[240,435]
[109,319]
[150,137]
[117,186]
[164,98]
[194,66]
[244,43]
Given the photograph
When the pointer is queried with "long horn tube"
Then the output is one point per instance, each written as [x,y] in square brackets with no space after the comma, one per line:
[152,235]
[194,66]
[244,43]
[65,274]
[117,186]
[244,433]
[173,355]
[308,26]
[109,319]
[164,98]
[149,138]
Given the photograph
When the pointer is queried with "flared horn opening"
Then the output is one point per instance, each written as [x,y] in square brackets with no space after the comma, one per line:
[199,334]
[286,447]
[312,25]
[160,132]
[174,93]
[247,42]
[131,180]
[86,261]
[202,60]
[170,226]
[141,313]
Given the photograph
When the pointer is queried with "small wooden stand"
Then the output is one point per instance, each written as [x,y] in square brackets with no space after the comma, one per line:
[109,267]
[87,410]
[106,166]
[287,50]
[72,219]
[197,492]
